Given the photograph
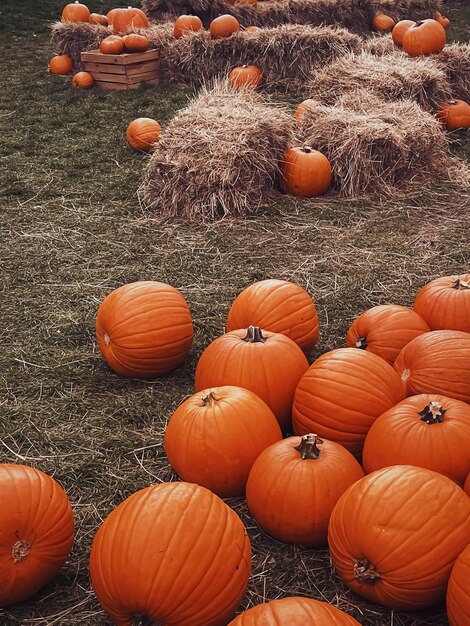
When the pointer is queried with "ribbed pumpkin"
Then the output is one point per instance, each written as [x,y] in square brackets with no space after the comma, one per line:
[144,329]
[75,12]
[427,430]
[123,19]
[97,18]
[382,22]
[214,437]
[399,30]
[269,364]
[385,330]
[443,21]
[444,303]
[437,362]
[61,64]
[425,37]
[172,554]
[304,106]
[142,133]
[455,114]
[114,44]
[294,485]
[82,80]
[306,172]
[466,486]
[342,394]
[246,76]
[110,15]
[295,611]
[279,306]
[395,534]
[224,26]
[458,591]
[135,43]
[186,23]
[36,524]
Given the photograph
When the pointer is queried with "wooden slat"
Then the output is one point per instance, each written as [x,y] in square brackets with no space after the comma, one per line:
[102,67]
[102,84]
[139,68]
[110,78]
[95,56]
[138,78]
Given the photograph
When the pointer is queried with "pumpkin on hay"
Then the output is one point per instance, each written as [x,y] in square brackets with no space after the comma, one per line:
[443,21]
[455,114]
[144,329]
[112,45]
[136,43]
[153,551]
[82,80]
[123,19]
[458,591]
[224,26]
[142,133]
[110,15]
[252,29]
[97,18]
[303,106]
[306,172]
[185,24]
[395,534]
[382,22]
[246,76]
[423,38]
[36,522]
[75,12]
[399,30]
[61,64]
[444,303]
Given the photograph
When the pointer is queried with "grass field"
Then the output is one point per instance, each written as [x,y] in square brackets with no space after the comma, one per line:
[73,229]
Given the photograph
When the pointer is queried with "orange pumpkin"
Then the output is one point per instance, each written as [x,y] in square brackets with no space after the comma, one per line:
[123,19]
[395,534]
[75,12]
[144,329]
[443,21]
[385,330]
[110,15]
[399,30]
[455,114]
[36,522]
[425,37]
[279,306]
[437,362]
[224,26]
[294,485]
[136,43]
[246,76]
[215,436]
[444,303]
[172,553]
[269,364]
[303,106]
[61,64]
[306,172]
[342,394]
[142,133]
[383,22]
[112,45]
[466,486]
[97,18]
[458,591]
[185,24]
[294,611]
[252,29]
[426,430]
[82,80]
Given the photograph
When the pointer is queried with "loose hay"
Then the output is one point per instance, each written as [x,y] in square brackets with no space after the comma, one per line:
[455,60]
[407,9]
[380,45]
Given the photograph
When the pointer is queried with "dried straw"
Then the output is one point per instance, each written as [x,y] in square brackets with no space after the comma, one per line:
[455,60]
[407,9]
[380,45]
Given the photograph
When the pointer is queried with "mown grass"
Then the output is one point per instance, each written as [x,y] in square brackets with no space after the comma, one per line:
[73,230]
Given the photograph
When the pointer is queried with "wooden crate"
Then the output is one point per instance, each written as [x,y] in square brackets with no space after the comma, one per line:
[122,71]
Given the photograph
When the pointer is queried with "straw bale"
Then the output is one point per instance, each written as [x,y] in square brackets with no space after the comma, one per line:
[455,60]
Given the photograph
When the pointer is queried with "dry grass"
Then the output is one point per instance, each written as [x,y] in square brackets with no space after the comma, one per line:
[455,60]
[379,45]
[407,9]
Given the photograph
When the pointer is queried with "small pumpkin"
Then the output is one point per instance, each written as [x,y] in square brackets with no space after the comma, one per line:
[458,591]
[142,133]
[136,43]
[399,30]
[425,37]
[382,22]
[61,64]
[246,76]
[123,19]
[82,80]
[444,303]
[224,26]
[185,24]
[394,536]
[252,29]
[306,172]
[443,21]
[112,45]
[303,106]
[455,114]
[97,18]
[76,12]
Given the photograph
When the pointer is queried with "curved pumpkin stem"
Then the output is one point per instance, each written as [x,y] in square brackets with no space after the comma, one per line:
[459,283]
[209,399]
[308,446]
[433,413]
[307,149]
[20,551]
[365,572]
[361,343]
[254,335]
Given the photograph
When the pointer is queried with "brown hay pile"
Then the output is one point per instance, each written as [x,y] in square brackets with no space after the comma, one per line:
[377,148]
[455,60]
[219,156]
[380,45]
[392,76]
[406,9]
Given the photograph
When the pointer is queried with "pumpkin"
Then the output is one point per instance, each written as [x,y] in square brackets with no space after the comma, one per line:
[215,436]
[342,394]
[279,306]
[455,114]
[172,553]
[252,29]
[306,172]
[436,362]
[224,26]
[294,485]
[82,80]
[246,76]
[385,330]
[466,486]
[123,19]
[97,18]
[294,611]
[444,303]
[395,534]
[303,106]
[269,364]
[75,12]
[425,37]
[443,21]
[36,523]
[383,22]
[112,45]
[427,430]
[399,30]
[136,43]
[458,591]
[61,64]
[185,24]
[110,15]
[142,133]
[144,329]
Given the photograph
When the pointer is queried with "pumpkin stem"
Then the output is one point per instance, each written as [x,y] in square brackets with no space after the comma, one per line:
[361,343]
[365,572]
[433,413]
[142,620]
[209,399]
[459,283]
[20,551]
[308,446]
[254,335]
[307,149]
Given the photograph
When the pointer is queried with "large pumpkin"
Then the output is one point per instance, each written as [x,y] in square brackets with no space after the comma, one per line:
[144,329]
[399,30]
[294,485]
[455,114]
[437,362]
[61,64]
[36,531]
[444,303]
[224,26]
[466,486]
[306,172]
[430,431]
[458,591]
[269,364]
[385,330]
[123,19]
[295,611]
[383,23]
[279,306]
[342,394]
[172,554]
[185,24]
[425,37]
[142,133]
[75,12]
[215,436]
[395,534]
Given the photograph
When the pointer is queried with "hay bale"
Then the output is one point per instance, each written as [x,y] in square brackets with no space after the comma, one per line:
[379,45]
[377,148]
[393,77]
[219,156]
[455,61]
[407,9]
